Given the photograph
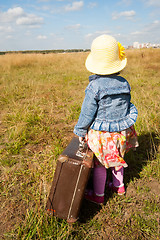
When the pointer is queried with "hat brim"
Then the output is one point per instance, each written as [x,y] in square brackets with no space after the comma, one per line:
[102,68]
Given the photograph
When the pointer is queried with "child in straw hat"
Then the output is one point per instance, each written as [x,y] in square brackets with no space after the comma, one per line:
[107,115]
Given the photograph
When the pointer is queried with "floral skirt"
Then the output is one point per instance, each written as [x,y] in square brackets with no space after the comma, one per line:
[110,147]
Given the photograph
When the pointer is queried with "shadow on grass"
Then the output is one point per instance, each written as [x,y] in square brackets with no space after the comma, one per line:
[136,160]
[88,211]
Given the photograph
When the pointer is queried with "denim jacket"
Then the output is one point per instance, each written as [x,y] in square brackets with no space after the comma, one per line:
[106,106]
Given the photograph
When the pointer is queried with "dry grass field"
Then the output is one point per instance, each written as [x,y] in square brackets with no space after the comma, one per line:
[40,101]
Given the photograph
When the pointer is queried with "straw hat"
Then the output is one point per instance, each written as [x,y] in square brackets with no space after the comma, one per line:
[106,57]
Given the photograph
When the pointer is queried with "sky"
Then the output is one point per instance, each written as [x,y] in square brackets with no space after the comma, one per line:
[73,24]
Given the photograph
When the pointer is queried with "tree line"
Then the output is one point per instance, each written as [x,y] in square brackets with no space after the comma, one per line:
[45,51]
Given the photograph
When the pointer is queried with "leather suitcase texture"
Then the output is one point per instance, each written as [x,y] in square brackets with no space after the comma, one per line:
[70,180]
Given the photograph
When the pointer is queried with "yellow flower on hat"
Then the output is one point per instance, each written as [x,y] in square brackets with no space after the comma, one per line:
[121,51]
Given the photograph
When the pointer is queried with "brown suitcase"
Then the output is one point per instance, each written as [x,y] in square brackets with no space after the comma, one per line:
[70,180]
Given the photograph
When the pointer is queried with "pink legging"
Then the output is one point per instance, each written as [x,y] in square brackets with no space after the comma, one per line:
[99,178]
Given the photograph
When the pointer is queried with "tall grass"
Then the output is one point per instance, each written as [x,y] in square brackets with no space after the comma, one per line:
[41,97]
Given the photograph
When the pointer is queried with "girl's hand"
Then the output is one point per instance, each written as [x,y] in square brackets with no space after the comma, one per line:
[81,139]
[86,138]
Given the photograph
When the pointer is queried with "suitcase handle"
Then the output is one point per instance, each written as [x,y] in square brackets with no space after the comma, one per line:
[82,149]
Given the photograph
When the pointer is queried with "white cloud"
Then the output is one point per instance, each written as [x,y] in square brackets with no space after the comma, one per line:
[150,29]
[102,32]
[75,6]
[9,37]
[154,3]
[29,19]
[156,22]
[153,27]
[6,29]
[91,36]
[15,12]
[127,14]
[136,33]
[18,16]
[74,27]
[41,37]
[125,2]
[92,4]
[149,33]
[43,0]
[28,33]
[11,14]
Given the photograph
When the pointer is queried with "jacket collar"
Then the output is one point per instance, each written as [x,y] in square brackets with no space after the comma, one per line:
[96,76]
[93,77]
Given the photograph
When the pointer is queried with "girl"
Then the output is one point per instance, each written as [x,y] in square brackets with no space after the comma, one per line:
[107,116]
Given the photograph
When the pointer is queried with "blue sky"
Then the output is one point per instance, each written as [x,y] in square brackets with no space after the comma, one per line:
[69,24]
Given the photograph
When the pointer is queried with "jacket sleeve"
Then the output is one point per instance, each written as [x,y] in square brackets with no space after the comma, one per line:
[88,112]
